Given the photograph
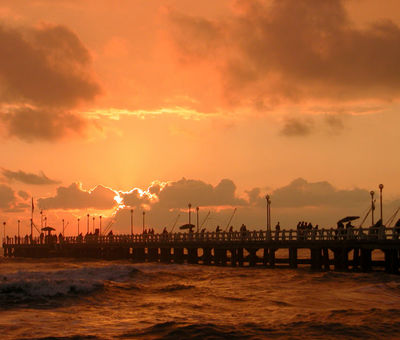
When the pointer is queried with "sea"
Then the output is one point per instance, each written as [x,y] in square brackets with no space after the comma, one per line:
[96,299]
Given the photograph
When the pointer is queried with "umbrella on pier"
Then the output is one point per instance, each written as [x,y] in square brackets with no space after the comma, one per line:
[348,219]
[187,227]
[48,229]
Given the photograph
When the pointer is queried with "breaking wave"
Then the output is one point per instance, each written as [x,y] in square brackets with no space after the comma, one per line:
[23,286]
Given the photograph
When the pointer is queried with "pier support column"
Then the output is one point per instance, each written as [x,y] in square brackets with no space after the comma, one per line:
[293,257]
[340,259]
[138,254]
[366,260]
[356,258]
[325,259]
[165,255]
[272,257]
[233,257]
[240,256]
[316,263]
[207,256]
[391,261]
[153,254]
[193,256]
[252,257]
[178,255]
[265,256]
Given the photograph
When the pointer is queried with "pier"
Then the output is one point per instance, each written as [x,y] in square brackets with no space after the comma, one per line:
[328,249]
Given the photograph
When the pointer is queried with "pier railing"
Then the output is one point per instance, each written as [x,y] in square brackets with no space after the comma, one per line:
[354,234]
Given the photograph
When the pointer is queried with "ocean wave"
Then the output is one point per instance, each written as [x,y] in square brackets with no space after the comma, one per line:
[176,287]
[24,286]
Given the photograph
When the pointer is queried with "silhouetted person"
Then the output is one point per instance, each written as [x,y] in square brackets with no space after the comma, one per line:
[278,227]
[231,229]
[218,229]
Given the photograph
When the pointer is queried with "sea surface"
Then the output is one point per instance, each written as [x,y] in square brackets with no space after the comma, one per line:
[71,299]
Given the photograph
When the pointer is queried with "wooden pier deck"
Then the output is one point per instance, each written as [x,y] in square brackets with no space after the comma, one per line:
[340,250]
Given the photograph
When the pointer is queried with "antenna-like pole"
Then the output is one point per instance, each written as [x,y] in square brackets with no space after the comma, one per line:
[372,206]
[189,205]
[100,225]
[197,218]
[380,198]
[19,222]
[4,232]
[78,225]
[268,213]
[144,214]
[93,226]
[87,223]
[131,221]
[63,227]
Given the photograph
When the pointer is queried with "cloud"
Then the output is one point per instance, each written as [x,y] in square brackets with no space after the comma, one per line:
[75,197]
[46,125]
[44,74]
[23,194]
[7,197]
[28,178]
[284,50]
[178,194]
[297,127]
[301,193]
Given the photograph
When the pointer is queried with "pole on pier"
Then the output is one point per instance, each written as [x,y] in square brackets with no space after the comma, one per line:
[45,221]
[19,222]
[78,225]
[268,212]
[380,199]
[63,227]
[372,193]
[41,218]
[87,223]
[4,231]
[31,230]
[131,221]
[197,218]
[100,217]
[189,206]
[144,214]
[93,226]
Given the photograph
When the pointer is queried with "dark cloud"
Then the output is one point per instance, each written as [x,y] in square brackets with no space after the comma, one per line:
[198,193]
[42,124]
[297,127]
[23,194]
[28,178]
[44,73]
[74,197]
[294,50]
[301,193]
[44,67]
[7,197]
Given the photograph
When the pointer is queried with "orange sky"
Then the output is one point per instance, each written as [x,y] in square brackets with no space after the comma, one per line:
[125,93]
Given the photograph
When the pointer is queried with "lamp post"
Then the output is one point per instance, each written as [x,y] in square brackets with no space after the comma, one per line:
[372,193]
[63,227]
[93,226]
[197,218]
[380,200]
[189,206]
[4,232]
[19,222]
[144,214]
[100,217]
[87,232]
[131,221]
[78,225]
[268,212]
